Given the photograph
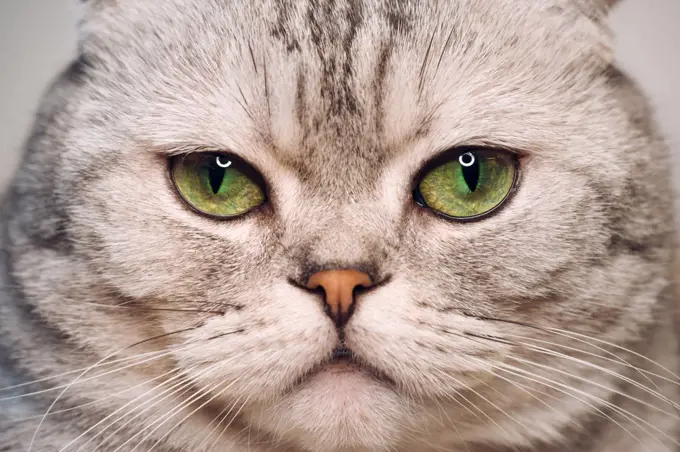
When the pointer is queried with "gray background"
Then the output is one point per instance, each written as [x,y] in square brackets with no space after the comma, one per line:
[37,38]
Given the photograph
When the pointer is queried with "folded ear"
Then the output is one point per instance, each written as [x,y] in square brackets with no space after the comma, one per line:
[594,7]
[97,3]
[98,19]
[605,5]
[92,8]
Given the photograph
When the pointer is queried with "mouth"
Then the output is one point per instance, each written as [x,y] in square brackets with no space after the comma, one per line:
[343,360]
[341,354]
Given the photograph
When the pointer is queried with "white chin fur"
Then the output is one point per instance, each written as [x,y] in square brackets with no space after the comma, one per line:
[333,412]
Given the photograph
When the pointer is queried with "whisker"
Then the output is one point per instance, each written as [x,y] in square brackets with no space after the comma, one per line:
[571,334]
[575,336]
[551,386]
[179,388]
[226,427]
[558,400]
[486,337]
[222,391]
[475,392]
[675,407]
[468,388]
[618,359]
[630,416]
[75,371]
[197,396]
[94,402]
[605,370]
[94,377]
[530,391]
[221,416]
[160,336]
[625,413]
[169,395]
[141,396]
[452,424]
[148,308]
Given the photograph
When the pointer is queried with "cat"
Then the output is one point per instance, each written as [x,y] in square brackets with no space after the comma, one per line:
[340,225]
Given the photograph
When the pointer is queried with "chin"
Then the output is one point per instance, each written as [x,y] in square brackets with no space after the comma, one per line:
[339,407]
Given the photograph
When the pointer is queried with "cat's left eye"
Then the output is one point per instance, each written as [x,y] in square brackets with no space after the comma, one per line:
[468,184]
[218,185]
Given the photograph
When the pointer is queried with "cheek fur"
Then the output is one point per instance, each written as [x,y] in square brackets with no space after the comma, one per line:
[426,352]
[263,349]
[340,108]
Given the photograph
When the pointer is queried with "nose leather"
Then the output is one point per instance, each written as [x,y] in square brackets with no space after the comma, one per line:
[339,287]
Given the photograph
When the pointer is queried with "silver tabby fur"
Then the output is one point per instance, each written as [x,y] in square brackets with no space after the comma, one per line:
[549,326]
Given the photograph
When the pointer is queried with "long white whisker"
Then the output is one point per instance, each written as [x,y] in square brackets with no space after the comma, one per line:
[42,420]
[169,395]
[52,377]
[119,410]
[607,371]
[161,421]
[675,407]
[452,424]
[94,377]
[630,416]
[221,416]
[512,370]
[499,365]
[601,341]
[94,402]
[176,389]
[575,336]
[467,388]
[219,393]
[617,359]
[226,427]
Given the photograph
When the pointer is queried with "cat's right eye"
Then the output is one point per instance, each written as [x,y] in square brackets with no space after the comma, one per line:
[218,185]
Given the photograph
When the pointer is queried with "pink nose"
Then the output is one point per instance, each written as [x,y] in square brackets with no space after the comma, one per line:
[338,287]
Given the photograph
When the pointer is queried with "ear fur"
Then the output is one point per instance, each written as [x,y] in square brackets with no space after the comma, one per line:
[595,7]
[605,5]
[97,3]
[609,3]
[96,17]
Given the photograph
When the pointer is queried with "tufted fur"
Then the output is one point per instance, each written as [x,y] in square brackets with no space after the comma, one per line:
[548,326]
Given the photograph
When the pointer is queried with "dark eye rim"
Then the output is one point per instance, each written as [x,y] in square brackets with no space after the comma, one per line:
[452,154]
[242,165]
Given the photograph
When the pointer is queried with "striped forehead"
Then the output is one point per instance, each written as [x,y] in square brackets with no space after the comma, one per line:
[327,81]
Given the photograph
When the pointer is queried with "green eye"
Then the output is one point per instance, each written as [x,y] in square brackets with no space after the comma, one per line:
[217,184]
[472,183]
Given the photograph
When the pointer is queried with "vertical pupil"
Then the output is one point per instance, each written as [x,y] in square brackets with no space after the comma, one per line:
[470,168]
[216,177]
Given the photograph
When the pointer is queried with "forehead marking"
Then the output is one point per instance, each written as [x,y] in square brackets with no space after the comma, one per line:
[333,45]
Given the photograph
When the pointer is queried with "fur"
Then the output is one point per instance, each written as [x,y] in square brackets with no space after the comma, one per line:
[548,326]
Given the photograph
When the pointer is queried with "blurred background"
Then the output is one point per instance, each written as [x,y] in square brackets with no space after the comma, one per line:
[37,39]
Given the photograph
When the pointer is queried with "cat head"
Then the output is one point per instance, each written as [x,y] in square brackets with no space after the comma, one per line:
[340,120]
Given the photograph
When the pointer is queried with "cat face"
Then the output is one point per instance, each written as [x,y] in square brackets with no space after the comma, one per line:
[340,109]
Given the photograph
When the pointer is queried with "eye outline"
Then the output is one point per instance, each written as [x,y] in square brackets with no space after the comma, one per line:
[248,169]
[452,154]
